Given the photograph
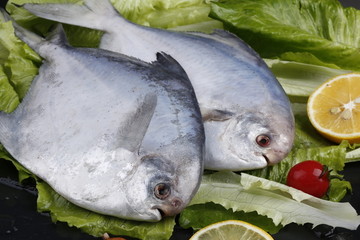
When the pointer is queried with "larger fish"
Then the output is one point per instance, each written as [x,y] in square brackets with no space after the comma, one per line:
[247,116]
[108,132]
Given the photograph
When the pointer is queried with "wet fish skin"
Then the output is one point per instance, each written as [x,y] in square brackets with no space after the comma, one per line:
[240,99]
[75,130]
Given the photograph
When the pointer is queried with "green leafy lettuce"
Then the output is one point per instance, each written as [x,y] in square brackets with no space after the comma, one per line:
[321,32]
[189,15]
[200,215]
[19,64]
[277,201]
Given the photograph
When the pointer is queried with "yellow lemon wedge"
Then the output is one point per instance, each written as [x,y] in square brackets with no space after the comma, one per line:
[334,108]
[231,229]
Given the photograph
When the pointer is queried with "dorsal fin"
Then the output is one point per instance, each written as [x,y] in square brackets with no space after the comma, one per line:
[169,63]
[57,35]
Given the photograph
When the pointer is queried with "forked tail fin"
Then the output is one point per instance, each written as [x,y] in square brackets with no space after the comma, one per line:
[56,36]
[30,38]
[95,14]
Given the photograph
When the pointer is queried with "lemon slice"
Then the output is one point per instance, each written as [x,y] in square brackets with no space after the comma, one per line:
[231,229]
[334,108]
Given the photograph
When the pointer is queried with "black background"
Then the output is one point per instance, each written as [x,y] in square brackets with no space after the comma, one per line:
[19,219]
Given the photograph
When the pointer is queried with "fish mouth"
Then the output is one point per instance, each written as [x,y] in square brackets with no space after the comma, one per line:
[273,157]
[267,160]
[161,212]
[170,208]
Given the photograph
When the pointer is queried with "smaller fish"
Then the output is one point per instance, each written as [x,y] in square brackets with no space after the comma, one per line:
[110,133]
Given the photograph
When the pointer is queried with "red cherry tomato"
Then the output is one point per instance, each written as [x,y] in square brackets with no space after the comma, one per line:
[310,177]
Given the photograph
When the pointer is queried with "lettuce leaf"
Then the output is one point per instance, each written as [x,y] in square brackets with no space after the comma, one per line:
[9,99]
[97,224]
[18,66]
[198,216]
[277,201]
[354,154]
[179,15]
[189,15]
[321,32]
[299,80]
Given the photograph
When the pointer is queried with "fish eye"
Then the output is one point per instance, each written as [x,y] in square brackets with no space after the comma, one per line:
[263,140]
[162,190]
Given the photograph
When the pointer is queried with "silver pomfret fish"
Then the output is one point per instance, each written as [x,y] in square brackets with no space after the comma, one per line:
[108,132]
[247,116]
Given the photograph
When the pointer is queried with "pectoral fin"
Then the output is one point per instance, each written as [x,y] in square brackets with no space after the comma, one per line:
[132,133]
[215,115]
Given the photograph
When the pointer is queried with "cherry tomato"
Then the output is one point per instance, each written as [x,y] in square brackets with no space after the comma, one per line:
[310,177]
